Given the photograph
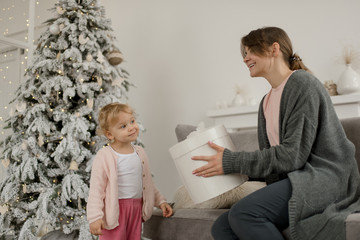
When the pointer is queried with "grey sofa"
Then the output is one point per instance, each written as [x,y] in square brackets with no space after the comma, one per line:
[188,224]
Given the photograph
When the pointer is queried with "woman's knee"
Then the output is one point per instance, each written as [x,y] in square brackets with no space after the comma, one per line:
[242,213]
[243,207]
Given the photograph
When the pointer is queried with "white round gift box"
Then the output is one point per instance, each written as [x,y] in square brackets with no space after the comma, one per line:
[200,188]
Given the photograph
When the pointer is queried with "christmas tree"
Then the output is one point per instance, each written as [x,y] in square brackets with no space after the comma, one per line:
[48,157]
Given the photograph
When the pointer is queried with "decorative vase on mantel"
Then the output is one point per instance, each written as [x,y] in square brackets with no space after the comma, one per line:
[349,81]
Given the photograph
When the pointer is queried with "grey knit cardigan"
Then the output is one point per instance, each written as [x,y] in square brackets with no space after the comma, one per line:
[315,154]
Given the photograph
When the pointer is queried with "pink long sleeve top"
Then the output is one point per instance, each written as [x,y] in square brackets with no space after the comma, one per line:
[103,195]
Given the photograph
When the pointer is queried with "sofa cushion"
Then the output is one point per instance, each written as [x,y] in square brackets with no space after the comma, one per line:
[353,226]
[352,128]
[185,224]
[182,198]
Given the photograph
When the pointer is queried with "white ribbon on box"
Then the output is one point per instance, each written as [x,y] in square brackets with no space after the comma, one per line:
[201,189]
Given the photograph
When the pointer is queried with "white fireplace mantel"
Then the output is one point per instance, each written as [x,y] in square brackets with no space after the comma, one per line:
[242,117]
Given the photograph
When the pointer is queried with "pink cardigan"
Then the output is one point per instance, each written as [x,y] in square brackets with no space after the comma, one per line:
[103,195]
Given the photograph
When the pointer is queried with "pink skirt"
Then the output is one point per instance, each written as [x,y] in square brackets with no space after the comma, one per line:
[130,219]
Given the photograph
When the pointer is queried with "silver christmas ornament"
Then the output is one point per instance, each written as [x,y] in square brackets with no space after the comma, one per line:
[54,29]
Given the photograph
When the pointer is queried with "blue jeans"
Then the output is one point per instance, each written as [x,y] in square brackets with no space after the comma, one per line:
[260,215]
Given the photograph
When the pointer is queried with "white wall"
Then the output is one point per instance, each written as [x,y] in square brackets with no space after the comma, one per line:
[184,56]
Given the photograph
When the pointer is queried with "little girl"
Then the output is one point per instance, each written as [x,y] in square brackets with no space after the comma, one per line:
[122,193]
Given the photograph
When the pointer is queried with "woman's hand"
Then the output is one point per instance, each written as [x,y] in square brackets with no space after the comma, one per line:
[166,209]
[214,165]
[95,227]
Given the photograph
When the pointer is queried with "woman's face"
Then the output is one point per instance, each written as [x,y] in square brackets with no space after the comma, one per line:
[258,65]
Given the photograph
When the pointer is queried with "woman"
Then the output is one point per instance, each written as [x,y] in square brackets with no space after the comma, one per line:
[305,157]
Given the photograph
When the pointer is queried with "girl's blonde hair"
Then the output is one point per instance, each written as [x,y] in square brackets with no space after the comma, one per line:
[108,113]
[258,42]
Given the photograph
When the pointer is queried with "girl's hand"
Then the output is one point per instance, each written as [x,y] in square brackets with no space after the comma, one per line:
[95,227]
[214,165]
[166,209]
